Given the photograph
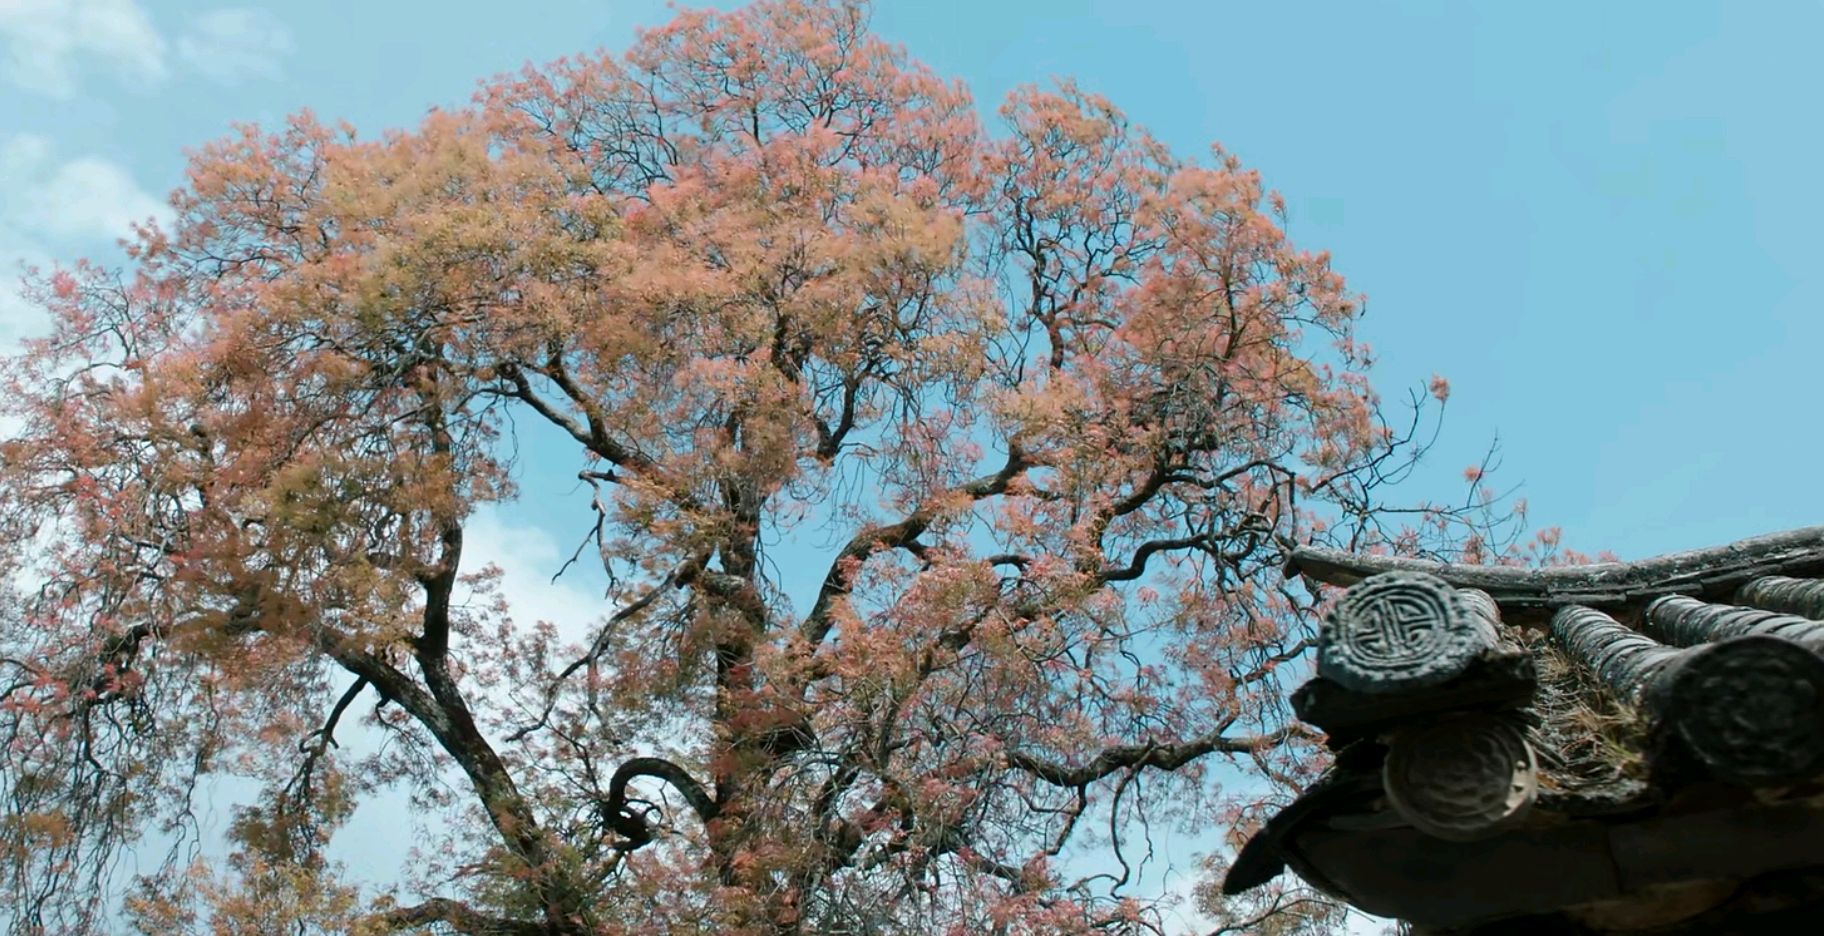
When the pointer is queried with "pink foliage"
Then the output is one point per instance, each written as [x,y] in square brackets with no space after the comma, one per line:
[1060,400]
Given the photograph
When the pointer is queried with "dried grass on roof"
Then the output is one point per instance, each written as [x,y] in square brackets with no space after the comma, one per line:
[1588,740]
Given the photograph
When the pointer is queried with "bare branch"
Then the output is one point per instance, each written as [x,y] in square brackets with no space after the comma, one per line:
[1158,756]
[839,577]
[457,915]
[633,827]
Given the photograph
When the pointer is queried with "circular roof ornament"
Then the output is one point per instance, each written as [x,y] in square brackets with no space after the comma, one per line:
[1462,777]
[1752,708]
[1400,631]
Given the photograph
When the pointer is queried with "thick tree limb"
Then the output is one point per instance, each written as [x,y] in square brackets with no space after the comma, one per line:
[1136,567]
[458,916]
[829,440]
[445,715]
[634,827]
[314,745]
[1130,756]
[593,436]
[439,585]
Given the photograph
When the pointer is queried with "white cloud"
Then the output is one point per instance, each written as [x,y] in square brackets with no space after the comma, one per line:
[230,44]
[84,199]
[51,209]
[528,556]
[73,203]
[44,44]
[44,39]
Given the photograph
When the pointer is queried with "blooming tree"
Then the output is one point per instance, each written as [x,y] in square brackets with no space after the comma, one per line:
[1061,400]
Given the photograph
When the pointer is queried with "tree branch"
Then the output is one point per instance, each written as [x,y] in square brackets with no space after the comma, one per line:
[594,436]
[634,827]
[457,915]
[1136,567]
[839,577]
[1132,756]
[1280,905]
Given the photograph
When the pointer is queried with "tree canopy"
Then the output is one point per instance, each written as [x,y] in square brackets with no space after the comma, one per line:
[1061,400]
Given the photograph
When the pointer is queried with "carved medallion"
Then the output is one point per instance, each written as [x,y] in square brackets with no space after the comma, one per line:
[1462,777]
[1399,631]
[1751,708]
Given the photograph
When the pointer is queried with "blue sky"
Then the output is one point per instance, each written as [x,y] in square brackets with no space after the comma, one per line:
[1598,220]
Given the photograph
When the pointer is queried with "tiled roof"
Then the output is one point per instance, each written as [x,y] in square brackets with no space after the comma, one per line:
[1610,747]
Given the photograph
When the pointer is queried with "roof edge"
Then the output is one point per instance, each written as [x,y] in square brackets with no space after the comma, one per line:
[1712,572]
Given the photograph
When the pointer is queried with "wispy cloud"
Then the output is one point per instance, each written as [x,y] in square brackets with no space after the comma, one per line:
[52,208]
[44,40]
[70,202]
[232,44]
[46,46]
[528,556]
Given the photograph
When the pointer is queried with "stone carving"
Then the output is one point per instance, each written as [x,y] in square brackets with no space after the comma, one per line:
[1751,708]
[1400,631]
[1462,777]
